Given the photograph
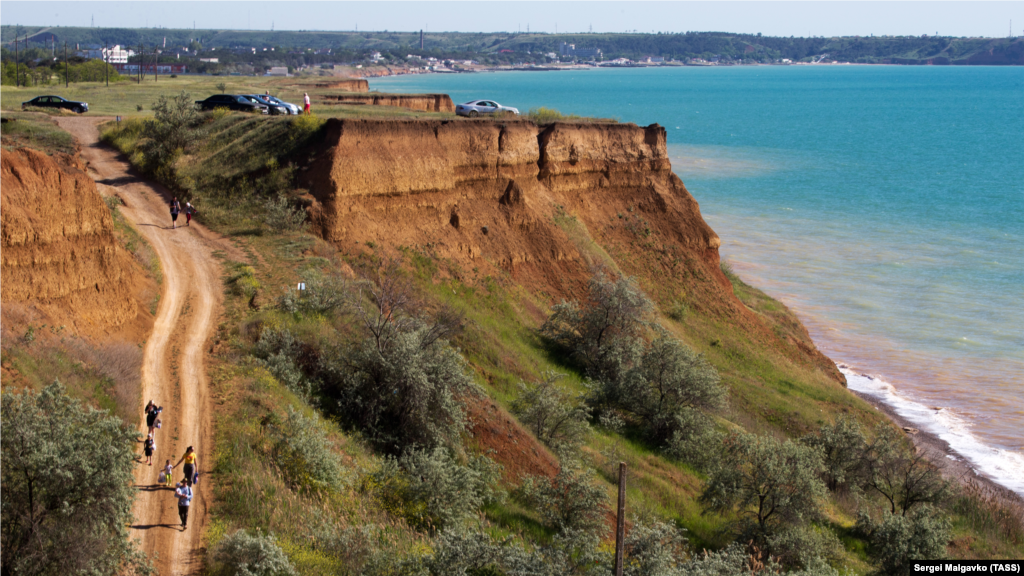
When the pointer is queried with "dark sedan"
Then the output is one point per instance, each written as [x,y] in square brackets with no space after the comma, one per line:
[56,102]
[231,102]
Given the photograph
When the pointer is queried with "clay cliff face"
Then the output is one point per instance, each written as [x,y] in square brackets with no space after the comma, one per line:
[423,102]
[486,192]
[348,85]
[58,244]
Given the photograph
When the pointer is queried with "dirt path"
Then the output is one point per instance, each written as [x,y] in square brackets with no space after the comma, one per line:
[173,372]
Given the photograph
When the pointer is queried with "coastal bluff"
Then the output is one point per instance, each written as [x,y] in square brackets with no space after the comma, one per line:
[59,251]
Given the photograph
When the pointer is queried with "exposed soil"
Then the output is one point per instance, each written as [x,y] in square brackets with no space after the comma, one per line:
[173,372]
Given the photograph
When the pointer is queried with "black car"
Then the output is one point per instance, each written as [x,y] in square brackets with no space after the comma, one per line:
[276,109]
[56,102]
[231,102]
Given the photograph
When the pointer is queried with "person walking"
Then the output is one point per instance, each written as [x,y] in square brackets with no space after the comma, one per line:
[305,108]
[152,411]
[191,464]
[148,446]
[184,496]
[168,470]
[175,209]
[189,211]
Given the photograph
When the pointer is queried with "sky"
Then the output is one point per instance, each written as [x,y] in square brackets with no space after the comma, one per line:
[771,18]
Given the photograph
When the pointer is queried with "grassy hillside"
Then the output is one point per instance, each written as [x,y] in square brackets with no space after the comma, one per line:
[325,486]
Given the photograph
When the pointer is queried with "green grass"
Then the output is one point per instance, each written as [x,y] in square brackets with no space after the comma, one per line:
[34,130]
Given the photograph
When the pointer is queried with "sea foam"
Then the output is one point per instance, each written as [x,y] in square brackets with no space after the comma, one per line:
[1005,467]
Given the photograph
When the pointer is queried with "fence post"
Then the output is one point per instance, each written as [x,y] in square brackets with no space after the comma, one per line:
[620,520]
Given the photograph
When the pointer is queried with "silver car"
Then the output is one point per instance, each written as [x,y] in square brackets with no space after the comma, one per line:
[292,108]
[478,107]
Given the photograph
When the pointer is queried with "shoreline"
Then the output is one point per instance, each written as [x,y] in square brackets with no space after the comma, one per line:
[953,465]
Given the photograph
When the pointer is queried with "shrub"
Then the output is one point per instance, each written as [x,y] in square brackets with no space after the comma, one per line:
[653,550]
[66,472]
[774,485]
[695,440]
[173,130]
[555,417]
[670,378]
[569,501]
[603,334]
[431,489]
[902,477]
[281,216]
[324,293]
[842,448]
[804,545]
[305,125]
[900,538]
[243,555]
[304,454]
[244,282]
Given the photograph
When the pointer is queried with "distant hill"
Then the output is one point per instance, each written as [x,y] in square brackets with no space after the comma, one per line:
[707,45]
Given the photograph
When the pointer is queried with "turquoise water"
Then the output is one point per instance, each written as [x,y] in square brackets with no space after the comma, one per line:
[884,204]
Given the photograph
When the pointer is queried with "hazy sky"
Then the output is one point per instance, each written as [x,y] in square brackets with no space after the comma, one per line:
[805,18]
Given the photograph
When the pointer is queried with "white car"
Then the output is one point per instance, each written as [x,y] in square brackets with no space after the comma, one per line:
[477,107]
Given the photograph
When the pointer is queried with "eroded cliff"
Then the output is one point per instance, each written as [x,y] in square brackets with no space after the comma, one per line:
[543,204]
[59,250]
[423,102]
[347,84]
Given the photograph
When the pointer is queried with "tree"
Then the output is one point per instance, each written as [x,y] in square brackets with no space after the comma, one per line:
[775,485]
[173,129]
[304,454]
[669,379]
[67,487]
[570,500]
[604,334]
[900,538]
[555,417]
[903,478]
[842,447]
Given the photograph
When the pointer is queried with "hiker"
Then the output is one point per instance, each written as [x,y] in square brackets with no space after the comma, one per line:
[166,474]
[148,446]
[175,209]
[184,495]
[189,211]
[191,464]
[152,411]
[305,96]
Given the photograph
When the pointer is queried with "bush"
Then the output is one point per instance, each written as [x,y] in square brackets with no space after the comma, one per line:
[842,449]
[281,216]
[774,485]
[899,539]
[604,334]
[694,440]
[66,472]
[243,555]
[903,477]
[305,125]
[804,546]
[555,417]
[173,130]
[569,501]
[431,489]
[653,550]
[304,454]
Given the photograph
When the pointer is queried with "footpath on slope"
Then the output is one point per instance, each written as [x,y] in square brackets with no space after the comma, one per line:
[174,358]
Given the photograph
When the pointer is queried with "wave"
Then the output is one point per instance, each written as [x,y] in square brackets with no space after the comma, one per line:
[1005,467]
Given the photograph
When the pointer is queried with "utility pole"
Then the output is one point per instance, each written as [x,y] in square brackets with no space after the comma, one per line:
[67,72]
[106,65]
[620,520]
[156,63]
[17,63]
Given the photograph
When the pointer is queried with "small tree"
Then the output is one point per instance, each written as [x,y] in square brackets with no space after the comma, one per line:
[842,449]
[281,216]
[67,487]
[670,378]
[570,500]
[243,555]
[774,484]
[304,454]
[903,478]
[656,549]
[603,334]
[173,128]
[900,538]
[555,417]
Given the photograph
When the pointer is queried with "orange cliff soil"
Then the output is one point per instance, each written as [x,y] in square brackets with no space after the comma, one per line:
[422,102]
[60,259]
[511,197]
[347,84]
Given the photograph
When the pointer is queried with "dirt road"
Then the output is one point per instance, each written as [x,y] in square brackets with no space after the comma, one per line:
[173,372]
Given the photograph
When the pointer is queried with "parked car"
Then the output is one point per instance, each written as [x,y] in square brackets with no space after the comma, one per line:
[232,102]
[292,108]
[57,102]
[276,109]
[477,107]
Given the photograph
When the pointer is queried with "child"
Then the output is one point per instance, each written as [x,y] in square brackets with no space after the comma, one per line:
[168,470]
[148,447]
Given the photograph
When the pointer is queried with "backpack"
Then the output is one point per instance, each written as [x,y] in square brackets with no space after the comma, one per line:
[158,423]
[162,478]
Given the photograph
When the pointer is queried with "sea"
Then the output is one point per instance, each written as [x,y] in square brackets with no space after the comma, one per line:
[883,204]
